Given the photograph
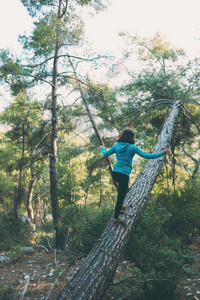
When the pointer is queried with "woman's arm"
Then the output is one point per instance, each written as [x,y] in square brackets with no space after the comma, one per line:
[108,152]
[150,155]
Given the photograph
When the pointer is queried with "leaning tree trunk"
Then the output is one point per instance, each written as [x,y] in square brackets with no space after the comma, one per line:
[95,275]
[92,120]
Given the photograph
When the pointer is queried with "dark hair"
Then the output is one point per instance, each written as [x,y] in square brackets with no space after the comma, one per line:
[127,137]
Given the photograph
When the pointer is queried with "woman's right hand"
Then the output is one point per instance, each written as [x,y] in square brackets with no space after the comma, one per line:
[165,152]
[102,146]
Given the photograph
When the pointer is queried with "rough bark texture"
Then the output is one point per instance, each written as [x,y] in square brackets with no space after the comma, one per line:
[18,196]
[53,155]
[93,278]
[29,205]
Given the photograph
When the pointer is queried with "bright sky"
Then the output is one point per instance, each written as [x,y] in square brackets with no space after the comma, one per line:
[178,20]
[14,20]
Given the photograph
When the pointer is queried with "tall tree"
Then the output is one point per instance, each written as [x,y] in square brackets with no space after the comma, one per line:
[57,28]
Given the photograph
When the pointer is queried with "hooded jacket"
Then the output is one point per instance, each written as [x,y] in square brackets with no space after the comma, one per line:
[124,154]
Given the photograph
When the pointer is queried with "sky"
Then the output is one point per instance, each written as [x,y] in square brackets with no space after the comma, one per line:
[178,20]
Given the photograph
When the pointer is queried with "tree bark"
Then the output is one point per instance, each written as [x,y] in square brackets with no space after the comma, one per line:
[53,155]
[29,206]
[93,278]
[18,197]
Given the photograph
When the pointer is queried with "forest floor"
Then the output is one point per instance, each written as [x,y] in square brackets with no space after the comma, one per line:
[40,266]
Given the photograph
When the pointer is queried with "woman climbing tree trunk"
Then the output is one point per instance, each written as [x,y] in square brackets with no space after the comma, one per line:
[94,277]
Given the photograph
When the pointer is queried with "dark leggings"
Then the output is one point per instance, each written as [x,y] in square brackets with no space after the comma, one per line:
[122,180]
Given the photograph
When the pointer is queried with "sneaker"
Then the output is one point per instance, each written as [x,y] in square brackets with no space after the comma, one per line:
[119,221]
[123,208]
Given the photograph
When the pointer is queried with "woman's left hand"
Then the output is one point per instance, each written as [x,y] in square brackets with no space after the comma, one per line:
[165,152]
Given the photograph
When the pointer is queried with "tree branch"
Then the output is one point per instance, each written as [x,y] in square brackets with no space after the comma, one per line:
[190,120]
[27,279]
[33,76]
[177,212]
[91,118]
[44,62]
[83,59]
[197,162]
[65,9]
[155,103]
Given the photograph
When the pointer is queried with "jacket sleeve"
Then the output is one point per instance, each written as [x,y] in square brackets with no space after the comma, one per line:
[108,152]
[147,155]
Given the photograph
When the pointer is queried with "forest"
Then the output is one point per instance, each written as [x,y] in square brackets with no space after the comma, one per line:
[57,195]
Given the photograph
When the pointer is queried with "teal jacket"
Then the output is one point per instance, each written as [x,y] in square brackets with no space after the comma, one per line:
[124,154]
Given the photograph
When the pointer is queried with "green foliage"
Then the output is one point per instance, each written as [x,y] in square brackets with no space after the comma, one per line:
[159,85]
[97,4]
[103,98]
[35,7]
[48,227]
[158,48]
[79,229]
[157,254]
[156,246]
[7,293]
[163,77]
[24,145]
[70,171]
[13,232]
[12,72]
[50,29]
[7,165]
[185,214]
[84,226]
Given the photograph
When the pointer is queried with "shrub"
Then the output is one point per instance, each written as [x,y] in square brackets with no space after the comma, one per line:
[7,293]
[185,213]
[159,257]
[13,232]
[84,225]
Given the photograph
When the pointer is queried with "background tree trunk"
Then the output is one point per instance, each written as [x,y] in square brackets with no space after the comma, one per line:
[95,275]
[53,156]
[18,197]
[29,205]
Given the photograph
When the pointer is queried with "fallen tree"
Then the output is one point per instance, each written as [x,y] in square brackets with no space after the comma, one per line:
[95,275]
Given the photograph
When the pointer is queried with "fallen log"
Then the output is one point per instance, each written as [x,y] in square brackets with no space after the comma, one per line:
[93,278]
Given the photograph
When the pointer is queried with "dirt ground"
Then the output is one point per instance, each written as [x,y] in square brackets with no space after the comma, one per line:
[40,266]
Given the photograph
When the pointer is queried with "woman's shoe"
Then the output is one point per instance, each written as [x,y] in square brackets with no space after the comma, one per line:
[119,221]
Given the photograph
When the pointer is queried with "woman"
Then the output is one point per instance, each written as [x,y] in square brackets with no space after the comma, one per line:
[125,151]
